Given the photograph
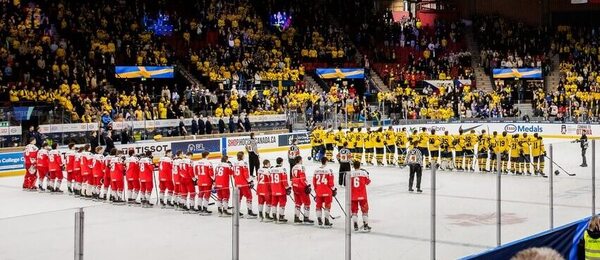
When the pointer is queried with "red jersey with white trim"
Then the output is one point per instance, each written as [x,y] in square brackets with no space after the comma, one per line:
[359,179]
[279,180]
[264,182]
[98,165]
[86,163]
[175,170]
[42,159]
[31,152]
[117,167]
[107,162]
[323,181]
[54,161]
[186,171]
[77,162]
[203,170]
[165,168]
[241,174]
[146,169]
[222,173]
[133,169]
[299,177]
[70,160]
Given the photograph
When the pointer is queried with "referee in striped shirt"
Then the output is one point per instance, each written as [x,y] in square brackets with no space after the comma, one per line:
[414,159]
[252,149]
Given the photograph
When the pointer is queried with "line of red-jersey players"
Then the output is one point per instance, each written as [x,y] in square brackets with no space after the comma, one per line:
[188,185]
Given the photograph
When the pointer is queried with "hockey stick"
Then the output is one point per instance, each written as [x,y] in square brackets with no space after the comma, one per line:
[315,199]
[570,174]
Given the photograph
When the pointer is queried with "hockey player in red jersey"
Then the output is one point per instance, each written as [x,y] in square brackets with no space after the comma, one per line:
[77,172]
[30,156]
[301,189]
[98,168]
[223,171]
[42,165]
[263,191]
[359,179]
[106,181]
[146,179]
[177,198]
[70,158]
[324,189]
[117,171]
[279,190]
[133,176]
[204,173]
[86,172]
[241,176]
[165,172]
[186,175]
[55,167]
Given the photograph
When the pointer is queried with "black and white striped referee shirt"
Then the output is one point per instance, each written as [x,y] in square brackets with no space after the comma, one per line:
[414,156]
[252,146]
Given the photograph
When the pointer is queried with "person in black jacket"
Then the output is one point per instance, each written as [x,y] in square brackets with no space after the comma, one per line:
[247,125]
[583,143]
[201,126]
[231,125]
[94,141]
[110,144]
[209,126]
[221,125]
[195,125]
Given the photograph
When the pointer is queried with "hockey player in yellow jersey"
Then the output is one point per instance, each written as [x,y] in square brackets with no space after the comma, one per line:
[459,144]
[525,163]
[413,139]
[340,138]
[504,142]
[483,145]
[316,139]
[390,145]
[369,147]
[446,151]
[469,148]
[495,150]
[401,142]
[351,142]
[434,147]
[515,154]
[538,151]
[329,142]
[359,138]
[379,146]
[423,145]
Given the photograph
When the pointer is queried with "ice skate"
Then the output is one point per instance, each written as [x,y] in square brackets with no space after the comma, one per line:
[308,221]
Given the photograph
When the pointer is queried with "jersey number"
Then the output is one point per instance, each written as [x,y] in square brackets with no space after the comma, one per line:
[356,183]
[321,179]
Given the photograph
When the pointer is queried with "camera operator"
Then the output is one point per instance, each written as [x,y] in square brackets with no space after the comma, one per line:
[583,143]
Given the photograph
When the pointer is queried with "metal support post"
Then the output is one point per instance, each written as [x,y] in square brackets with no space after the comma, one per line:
[498,201]
[551,191]
[235,225]
[348,223]
[433,189]
[79,222]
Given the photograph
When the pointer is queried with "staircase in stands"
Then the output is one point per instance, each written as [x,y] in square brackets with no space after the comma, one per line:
[483,80]
[553,78]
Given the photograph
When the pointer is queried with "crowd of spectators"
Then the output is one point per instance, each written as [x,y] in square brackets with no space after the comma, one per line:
[507,44]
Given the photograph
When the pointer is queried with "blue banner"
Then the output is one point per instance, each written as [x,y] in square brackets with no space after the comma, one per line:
[12,161]
[155,72]
[563,239]
[286,139]
[521,73]
[347,73]
[199,146]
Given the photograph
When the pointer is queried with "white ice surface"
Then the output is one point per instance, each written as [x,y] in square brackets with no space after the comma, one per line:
[40,226]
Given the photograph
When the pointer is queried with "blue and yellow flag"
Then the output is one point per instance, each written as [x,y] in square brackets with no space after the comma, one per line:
[156,72]
[346,73]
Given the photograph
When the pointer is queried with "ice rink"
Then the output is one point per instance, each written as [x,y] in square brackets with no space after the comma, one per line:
[40,226]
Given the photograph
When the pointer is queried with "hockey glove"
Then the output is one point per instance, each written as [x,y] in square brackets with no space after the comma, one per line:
[334,192]
[288,191]
[308,189]
[195,180]
[251,184]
